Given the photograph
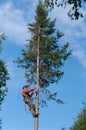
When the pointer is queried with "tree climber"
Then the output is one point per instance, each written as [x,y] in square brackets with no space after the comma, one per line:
[27,94]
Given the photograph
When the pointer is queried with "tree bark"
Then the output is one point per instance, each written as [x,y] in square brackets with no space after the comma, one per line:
[37,82]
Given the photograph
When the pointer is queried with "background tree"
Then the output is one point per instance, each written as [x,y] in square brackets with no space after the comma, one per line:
[80,121]
[2,37]
[43,57]
[76,5]
[3,77]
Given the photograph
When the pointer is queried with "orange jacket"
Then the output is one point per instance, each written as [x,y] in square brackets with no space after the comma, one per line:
[26,92]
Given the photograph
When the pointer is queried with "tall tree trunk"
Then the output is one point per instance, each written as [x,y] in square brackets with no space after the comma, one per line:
[37,94]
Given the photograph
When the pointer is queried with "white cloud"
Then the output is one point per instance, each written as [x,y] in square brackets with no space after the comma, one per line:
[12,23]
[12,69]
[69,27]
[80,53]
[74,32]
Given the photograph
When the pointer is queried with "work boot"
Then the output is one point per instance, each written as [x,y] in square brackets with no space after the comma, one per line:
[36,114]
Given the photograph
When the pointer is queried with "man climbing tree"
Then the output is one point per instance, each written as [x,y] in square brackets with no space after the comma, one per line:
[43,57]
[27,94]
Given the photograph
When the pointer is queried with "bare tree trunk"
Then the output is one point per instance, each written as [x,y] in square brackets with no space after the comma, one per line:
[37,94]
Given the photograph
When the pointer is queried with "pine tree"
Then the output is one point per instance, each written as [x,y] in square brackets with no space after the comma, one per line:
[80,121]
[3,77]
[43,56]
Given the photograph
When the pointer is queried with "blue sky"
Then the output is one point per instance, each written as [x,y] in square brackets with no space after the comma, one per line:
[14,17]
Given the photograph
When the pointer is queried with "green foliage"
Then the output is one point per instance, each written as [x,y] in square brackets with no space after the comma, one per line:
[74,12]
[3,77]
[0,123]
[2,37]
[63,128]
[51,54]
[80,122]
[3,74]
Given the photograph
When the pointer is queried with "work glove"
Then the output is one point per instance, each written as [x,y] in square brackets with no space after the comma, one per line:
[35,91]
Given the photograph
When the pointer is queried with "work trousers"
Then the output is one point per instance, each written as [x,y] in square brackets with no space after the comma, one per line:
[28,101]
